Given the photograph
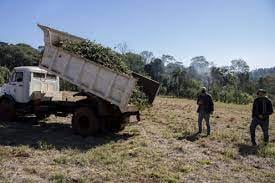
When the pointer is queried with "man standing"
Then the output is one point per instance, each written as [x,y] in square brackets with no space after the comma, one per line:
[262,109]
[205,108]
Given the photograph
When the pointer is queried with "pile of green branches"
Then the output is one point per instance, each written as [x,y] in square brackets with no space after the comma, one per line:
[108,58]
[139,98]
[97,53]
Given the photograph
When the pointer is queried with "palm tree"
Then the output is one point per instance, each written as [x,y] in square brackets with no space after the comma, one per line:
[178,78]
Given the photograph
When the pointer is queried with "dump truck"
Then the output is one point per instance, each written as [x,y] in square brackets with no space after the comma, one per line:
[105,94]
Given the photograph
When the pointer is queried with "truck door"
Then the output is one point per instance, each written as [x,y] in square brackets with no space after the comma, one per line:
[17,89]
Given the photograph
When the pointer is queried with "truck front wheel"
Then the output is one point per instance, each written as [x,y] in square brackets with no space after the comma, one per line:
[84,122]
[7,110]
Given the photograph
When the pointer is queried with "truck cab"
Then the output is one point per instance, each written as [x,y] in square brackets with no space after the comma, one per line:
[28,83]
[27,86]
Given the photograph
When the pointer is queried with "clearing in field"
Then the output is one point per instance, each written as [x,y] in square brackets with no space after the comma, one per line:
[162,147]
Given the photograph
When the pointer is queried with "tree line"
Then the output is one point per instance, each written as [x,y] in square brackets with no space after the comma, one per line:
[230,84]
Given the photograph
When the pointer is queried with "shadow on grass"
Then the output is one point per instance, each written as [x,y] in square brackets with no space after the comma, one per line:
[246,150]
[42,135]
[193,137]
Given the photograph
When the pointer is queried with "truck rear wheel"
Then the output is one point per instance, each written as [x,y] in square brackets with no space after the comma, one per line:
[84,122]
[7,110]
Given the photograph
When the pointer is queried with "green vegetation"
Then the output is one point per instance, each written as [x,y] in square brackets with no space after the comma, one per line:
[97,53]
[228,84]
[4,75]
[139,98]
[268,82]
[44,145]
[18,55]
[59,178]
[267,151]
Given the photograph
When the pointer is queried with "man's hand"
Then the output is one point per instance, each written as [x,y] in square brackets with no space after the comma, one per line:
[261,116]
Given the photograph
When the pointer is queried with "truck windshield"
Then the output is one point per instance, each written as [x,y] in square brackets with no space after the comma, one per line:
[44,76]
[17,77]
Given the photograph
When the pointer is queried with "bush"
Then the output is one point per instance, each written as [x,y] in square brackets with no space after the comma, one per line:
[4,75]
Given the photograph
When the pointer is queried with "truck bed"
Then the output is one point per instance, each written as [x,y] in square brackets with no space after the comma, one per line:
[89,76]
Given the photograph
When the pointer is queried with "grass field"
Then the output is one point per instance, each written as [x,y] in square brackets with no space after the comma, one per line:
[162,147]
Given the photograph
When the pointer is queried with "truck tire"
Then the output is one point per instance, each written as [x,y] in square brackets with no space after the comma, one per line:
[7,110]
[84,122]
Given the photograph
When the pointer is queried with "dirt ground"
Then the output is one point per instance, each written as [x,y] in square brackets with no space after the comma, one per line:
[162,147]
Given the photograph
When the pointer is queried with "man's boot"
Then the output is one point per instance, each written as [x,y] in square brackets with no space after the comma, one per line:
[208,130]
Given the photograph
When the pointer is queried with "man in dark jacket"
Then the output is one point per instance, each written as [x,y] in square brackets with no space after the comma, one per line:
[262,109]
[205,108]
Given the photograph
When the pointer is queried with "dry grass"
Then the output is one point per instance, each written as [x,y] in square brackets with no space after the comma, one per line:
[163,147]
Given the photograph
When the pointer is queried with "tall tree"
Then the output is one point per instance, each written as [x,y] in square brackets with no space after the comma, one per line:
[200,65]
[147,56]
[155,69]
[239,66]
[134,62]
[178,79]
[122,47]
[168,58]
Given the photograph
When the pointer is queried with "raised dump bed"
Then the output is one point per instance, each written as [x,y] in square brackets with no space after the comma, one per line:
[91,77]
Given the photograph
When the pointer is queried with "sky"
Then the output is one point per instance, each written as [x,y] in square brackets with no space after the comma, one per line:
[220,30]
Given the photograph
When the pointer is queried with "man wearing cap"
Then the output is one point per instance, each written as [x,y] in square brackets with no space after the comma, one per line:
[262,109]
[205,108]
